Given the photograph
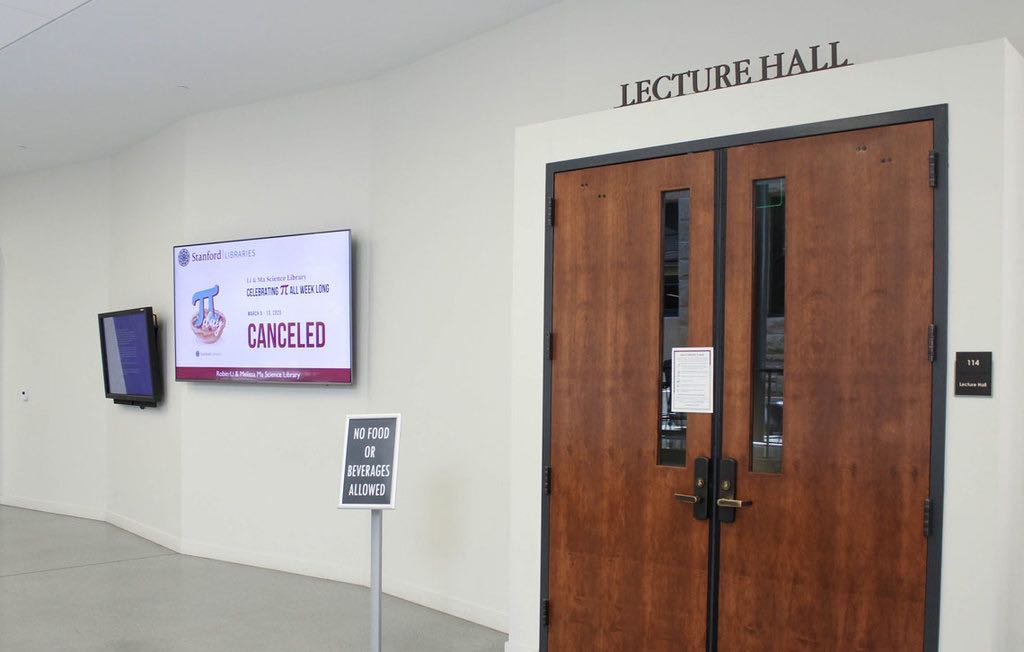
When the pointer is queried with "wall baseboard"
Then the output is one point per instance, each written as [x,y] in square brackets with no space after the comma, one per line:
[431,599]
[470,611]
[156,535]
[327,571]
[464,609]
[55,507]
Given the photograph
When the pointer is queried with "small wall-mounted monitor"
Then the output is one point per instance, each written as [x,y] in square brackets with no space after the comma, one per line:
[131,360]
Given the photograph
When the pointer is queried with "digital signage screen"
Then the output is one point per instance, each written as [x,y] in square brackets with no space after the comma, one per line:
[128,344]
[266,310]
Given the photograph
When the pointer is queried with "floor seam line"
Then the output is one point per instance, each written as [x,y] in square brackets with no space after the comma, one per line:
[99,563]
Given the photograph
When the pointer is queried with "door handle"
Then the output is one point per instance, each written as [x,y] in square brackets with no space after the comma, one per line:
[727,501]
[699,497]
[731,503]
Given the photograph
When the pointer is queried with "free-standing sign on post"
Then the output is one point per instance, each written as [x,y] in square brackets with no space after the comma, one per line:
[368,482]
[371,460]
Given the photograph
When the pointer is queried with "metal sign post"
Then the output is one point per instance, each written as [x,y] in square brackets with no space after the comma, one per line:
[368,481]
[376,545]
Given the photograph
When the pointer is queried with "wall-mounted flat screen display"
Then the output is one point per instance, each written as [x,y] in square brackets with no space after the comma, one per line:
[267,310]
[131,361]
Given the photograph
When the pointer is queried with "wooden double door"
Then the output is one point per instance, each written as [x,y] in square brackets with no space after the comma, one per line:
[790,518]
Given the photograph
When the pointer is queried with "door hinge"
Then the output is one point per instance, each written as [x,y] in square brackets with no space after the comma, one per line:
[933,169]
[927,517]
[931,342]
[547,480]
[549,339]
[545,613]
[550,212]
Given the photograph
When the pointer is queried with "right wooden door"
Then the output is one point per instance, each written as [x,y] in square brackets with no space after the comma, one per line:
[827,392]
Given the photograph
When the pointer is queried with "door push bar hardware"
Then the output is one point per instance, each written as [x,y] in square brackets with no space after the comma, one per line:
[727,501]
[699,497]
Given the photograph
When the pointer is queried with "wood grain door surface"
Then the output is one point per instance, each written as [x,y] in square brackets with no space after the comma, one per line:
[830,555]
[628,563]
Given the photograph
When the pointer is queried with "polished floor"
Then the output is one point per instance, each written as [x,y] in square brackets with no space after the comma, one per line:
[72,584]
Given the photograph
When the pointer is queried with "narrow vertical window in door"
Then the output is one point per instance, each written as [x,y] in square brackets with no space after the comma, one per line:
[769,325]
[627,560]
[675,315]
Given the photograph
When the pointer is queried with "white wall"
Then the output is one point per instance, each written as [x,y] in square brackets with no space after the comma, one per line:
[442,198]
[609,42]
[420,164]
[1007,501]
[55,444]
[144,446]
[976,547]
[260,465]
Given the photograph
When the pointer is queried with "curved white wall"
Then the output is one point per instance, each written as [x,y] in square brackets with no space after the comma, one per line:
[420,164]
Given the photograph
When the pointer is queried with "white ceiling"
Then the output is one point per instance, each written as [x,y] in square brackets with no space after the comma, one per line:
[19,18]
[81,79]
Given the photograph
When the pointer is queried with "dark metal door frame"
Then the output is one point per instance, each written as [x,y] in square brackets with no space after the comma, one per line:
[938,115]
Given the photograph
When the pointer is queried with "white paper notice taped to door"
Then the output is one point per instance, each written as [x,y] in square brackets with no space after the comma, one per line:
[693,379]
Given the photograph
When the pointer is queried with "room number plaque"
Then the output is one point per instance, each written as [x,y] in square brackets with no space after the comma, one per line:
[973,373]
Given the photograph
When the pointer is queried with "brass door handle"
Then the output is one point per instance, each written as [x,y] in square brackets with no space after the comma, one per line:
[700,498]
[733,503]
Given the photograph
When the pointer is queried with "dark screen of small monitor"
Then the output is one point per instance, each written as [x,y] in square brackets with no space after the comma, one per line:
[126,342]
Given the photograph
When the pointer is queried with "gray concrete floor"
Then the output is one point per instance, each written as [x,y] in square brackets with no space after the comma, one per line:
[74,584]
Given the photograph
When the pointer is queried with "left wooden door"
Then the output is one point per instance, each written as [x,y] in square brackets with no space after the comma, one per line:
[627,561]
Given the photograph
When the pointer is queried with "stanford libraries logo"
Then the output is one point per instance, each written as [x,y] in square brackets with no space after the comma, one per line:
[183,257]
